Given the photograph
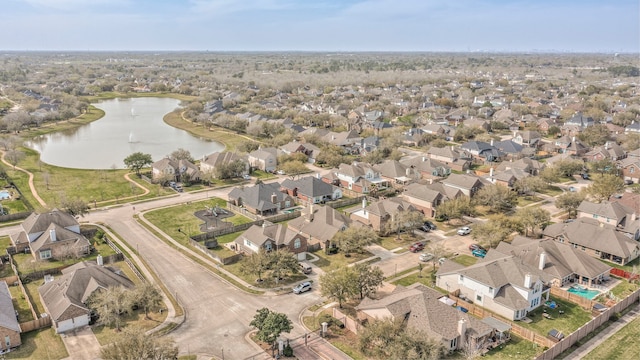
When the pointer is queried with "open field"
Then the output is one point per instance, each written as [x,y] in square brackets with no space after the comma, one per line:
[619,346]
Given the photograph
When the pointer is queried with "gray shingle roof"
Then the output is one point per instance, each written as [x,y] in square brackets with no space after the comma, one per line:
[36,223]
[7,312]
[326,222]
[65,297]
[259,196]
[309,186]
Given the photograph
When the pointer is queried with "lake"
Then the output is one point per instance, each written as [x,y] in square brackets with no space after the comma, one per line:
[129,125]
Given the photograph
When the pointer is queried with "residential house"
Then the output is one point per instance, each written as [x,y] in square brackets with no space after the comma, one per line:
[481,123]
[380,214]
[609,151]
[265,159]
[576,124]
[506,285]
[426,167]
[571,146]
[175,170]
[596,239]
[51,235]
[319,224]
[506,177]
[630,168]
[527,138]
[512,150]
[425,198]
[269,237]
[454,158]
[633,128]
[261,199]
[308,149]
[65,298]
[311,189]
[396,173]
[209,163]
[527,165]
[628,199]
[565,264]
[360,178]
[439,130]
[468,184]
[421,309]
[482,150]
[345,139]
[9,327]
[622,217]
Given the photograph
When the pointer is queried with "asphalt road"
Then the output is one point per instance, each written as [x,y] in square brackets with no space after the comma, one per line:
[218,314]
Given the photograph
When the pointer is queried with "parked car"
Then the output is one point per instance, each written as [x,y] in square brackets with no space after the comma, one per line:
[280,172]
[585,176]
[246,177]
[464,231]
[419,246]
[425,228]
[305,267]
[573,189]
[628,182]
[302,287]
[442,260]
[476,247]
[431,225]
[426,257]
[479,253]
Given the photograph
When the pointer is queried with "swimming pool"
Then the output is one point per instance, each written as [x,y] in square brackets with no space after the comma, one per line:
[5,194]
[585,293]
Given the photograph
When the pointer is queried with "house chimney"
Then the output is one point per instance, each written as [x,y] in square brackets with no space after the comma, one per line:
[462,328]
[52,235]
[573,139]
[491,172]
[274,198]
[364,205]
[310,216]
[408,172]
[543,261]
[424,158]
[491,142]
[317,175]
[100,260]
[527,281]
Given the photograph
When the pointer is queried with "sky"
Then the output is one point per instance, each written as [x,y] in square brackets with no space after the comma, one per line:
[322,25]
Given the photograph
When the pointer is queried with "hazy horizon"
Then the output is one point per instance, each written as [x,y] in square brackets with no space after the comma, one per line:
[461,26]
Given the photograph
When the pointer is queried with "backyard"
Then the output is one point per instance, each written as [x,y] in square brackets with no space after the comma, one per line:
[39,344]
[571,318]
[619,346]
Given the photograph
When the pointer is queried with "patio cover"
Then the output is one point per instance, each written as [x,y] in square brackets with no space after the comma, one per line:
[497,324]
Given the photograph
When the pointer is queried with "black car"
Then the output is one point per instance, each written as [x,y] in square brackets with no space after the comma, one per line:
[430,225]
[425,228]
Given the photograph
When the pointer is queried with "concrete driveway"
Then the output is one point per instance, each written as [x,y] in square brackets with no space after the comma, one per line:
[81,344]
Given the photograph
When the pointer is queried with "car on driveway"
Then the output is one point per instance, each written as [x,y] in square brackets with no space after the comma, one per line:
[426,257]
[419,246]
[425,228]
[442,260]
[246,177]
[302,287]
[430,225]
[479,253]
[476,247]
[573,189]
[464,231]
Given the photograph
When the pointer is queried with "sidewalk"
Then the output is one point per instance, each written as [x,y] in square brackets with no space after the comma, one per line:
[585,349]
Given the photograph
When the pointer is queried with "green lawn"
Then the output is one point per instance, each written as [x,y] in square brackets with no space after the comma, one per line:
[392,242]
[40,344]
[574,317]
[236,269]
[627,267]
[427,278]
[465,260]
[229,237]
[20,303]
[262,175]
[516,348]
[14,204]
[552,191]
[619,346]
[526,200]
[182,217]
[54,184]
[107,335]
[335,261]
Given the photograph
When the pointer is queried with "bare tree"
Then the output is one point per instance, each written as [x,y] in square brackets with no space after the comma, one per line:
[14,157]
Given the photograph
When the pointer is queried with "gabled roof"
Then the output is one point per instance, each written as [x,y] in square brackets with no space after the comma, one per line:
[221,158]
[610,210]
[277,233]
[259,196]
[424,164]
[36,223]
[562,259]
[264,153]
[595,235]
[392,169]
[309,186]
[61,235]
[422,192]
[525,164]
[464,181]
[325,224]
[423,311]
[508,146]
[65,297]
[7,311]
[389,206]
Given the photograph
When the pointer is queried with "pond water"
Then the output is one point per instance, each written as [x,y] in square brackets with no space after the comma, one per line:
[129,125]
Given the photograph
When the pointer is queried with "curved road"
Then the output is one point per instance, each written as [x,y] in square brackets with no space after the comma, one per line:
[218,314]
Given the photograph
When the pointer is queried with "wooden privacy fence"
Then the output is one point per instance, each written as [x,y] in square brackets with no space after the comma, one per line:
[35,324]
[241,227]
[345,202]
[556,349]
[516,329]
[625,274]
[16,216]
[349,323]
[585,303]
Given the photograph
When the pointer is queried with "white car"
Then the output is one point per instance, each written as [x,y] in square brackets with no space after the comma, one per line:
[280,172]
[426,257]
[302,287]
[464,231]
